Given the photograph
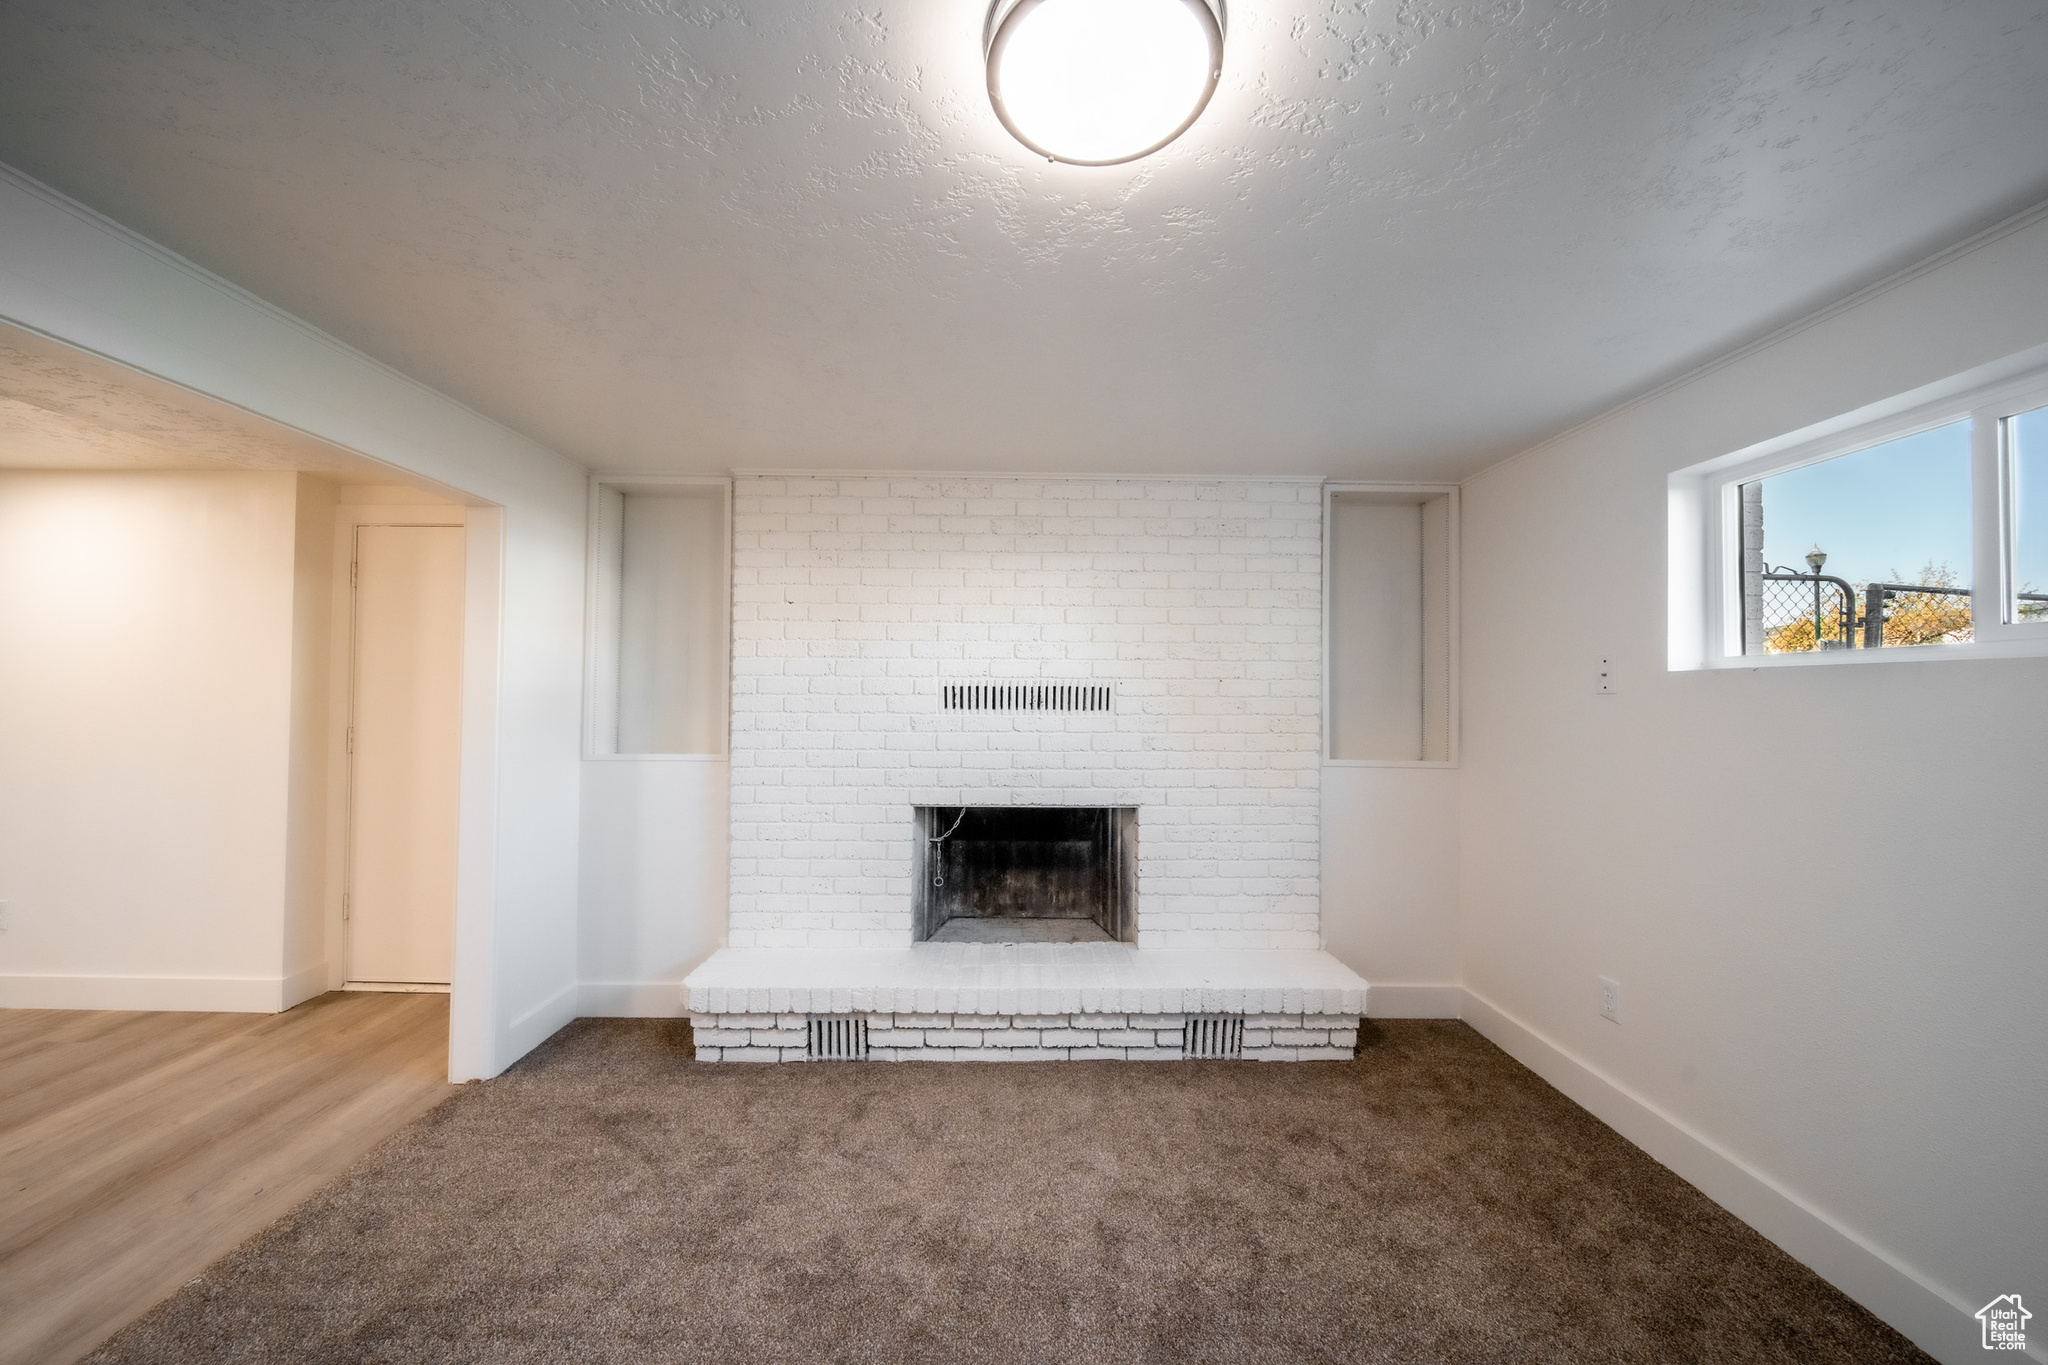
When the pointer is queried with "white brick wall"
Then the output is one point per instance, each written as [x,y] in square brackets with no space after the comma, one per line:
[855,599]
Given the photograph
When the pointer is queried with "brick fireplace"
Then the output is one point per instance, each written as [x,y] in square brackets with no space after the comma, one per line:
[923,644]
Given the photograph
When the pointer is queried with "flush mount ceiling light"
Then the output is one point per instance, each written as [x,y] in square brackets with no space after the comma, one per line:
[1098,82]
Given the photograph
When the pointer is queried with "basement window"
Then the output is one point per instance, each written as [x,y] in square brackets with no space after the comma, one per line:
[1867,550]
[1914,529]
[660,613]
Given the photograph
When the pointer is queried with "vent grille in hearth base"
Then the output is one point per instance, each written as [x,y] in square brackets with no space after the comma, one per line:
[835,1039]
[1218,1036]
[1027,696]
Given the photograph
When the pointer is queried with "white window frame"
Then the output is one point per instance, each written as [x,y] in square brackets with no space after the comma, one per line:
[600,617]
[1705,525]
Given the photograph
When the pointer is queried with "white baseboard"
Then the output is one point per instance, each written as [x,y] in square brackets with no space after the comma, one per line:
[1938,1322]
[224,994]
[529,1029]
[630,999]
[303,985]
[1406,1001]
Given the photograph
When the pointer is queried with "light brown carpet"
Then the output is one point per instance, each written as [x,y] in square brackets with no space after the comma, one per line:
[610,1200]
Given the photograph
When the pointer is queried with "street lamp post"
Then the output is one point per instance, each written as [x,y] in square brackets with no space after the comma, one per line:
[1816,558]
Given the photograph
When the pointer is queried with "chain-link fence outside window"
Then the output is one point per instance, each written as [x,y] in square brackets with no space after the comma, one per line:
[1908,614]
[1916,614]
[1798,613]
[1804,612]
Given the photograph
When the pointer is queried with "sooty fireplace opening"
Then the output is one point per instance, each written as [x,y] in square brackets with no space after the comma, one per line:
[1026,874]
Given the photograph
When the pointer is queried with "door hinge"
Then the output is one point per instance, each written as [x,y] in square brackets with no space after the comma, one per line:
[348,744]
[344,904]
[352,573]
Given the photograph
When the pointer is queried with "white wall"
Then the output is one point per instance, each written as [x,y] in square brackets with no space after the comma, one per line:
[1390,833]
[149,745]
[311,842]
[75,276]
[1390,885]
[1821,889]
[655,851]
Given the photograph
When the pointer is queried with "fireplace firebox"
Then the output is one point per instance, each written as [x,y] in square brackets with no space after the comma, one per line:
[1026,874]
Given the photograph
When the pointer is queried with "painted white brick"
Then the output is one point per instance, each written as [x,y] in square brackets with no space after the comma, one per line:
[1302,1037]
[1200,599]
[1068,1037]
[1013,1037]
[722,1038]
[1128,1038]
[943,1037]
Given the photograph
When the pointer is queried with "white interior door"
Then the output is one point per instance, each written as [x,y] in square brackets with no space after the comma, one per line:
[405,731]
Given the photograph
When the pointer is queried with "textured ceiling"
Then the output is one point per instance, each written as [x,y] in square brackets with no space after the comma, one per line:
[1406,239]
[63,409]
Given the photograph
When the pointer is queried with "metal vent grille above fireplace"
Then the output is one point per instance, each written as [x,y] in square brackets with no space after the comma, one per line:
[1028,696]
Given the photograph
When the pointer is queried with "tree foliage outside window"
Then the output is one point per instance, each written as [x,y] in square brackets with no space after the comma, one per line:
[1929,618]
[1910,618]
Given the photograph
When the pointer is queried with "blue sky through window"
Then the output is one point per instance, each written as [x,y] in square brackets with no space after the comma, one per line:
[1884,513]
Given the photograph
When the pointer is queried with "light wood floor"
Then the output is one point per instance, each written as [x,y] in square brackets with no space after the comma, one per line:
[137,1148]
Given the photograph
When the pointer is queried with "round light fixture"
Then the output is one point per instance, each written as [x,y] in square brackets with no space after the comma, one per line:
[1097,82]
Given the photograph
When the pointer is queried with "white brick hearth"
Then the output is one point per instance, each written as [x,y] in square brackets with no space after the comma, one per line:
[1023,978]
[1018,1002]
[1026,1038]
[857,601]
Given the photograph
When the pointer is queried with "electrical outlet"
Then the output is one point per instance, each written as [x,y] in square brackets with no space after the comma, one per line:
[1605,682]
[1610,999]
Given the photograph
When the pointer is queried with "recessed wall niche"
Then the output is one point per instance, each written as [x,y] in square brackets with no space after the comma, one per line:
[661,613]
[1389,595]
